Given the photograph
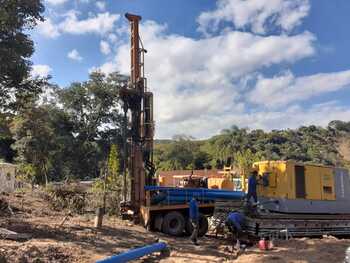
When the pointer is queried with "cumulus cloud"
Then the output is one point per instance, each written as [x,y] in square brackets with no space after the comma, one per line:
[102,23]
[74,55]
[104,47]
[198,79]
[288,117]
[203,85]
[101,5]
[48,29]
[286,88]
[106,68]
[56,2]
[41,70]
[256,15]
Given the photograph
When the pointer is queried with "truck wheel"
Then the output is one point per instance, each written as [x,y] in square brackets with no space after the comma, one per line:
[158,222]
[173,223]
[203,226]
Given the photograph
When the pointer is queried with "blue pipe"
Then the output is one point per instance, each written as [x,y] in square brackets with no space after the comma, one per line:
[194,191]
[134,253]
[236,194]
[164,188]
[169,195]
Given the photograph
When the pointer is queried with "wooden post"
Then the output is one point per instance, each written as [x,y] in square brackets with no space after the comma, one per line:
[101,210]
[98,217]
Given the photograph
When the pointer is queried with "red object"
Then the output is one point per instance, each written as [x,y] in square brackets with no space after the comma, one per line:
[264,244]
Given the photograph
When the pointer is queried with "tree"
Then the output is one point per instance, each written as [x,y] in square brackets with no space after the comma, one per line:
[6,152]
[16,47]
[114,180]
[93,108]
[245,159]
[34,140]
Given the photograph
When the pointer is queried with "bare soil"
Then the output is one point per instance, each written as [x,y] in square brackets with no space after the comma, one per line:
[77,241]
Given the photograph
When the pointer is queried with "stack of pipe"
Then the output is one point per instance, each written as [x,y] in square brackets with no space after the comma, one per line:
[172,195]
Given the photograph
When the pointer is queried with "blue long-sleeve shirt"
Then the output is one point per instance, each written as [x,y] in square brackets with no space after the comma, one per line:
[237,219]
[194,211]
[252,185]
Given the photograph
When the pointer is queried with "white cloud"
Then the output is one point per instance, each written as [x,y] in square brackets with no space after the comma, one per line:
[41,70]
[101,5]
[288,117]
[286,88]
[258,15]
[100,24]
[48,29]
[104,47]
[56,2]
[203,85]
[74,55]
[106,68]
[198,80]
[112,37]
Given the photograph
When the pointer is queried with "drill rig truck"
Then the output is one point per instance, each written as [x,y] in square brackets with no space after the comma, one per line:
[299,199]
[138,144]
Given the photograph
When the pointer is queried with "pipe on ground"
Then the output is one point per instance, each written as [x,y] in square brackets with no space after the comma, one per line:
[135,253]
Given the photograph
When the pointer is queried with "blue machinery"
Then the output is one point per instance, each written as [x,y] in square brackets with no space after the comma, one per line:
[172,195]
[135,253]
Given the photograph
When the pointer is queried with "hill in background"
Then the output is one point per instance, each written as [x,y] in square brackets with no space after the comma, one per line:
[309,144]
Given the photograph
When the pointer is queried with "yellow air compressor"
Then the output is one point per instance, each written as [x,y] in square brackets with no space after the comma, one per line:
[291,187]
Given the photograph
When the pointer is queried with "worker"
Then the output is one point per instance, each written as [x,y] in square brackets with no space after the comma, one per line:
[252,183]
[235,223]
[194,218]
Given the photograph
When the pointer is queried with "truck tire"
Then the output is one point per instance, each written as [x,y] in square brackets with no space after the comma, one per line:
[174,223]
[203,226]
[158,222]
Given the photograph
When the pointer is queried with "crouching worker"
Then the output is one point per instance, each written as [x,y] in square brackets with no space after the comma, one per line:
[235,223]
[194,218]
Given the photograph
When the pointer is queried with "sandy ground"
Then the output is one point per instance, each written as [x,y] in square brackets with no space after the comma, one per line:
[77,241]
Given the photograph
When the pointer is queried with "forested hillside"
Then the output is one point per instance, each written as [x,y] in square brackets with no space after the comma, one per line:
[307,144]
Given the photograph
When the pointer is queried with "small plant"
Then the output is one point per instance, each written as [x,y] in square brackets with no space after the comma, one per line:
[66,198]
[109,186]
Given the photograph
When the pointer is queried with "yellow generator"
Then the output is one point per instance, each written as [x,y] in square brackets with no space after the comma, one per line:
[220,183]
[291,187]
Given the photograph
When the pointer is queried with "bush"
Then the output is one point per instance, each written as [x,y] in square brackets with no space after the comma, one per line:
[66,197]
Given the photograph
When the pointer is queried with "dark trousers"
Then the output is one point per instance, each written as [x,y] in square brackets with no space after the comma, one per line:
[194,235]
[254,195]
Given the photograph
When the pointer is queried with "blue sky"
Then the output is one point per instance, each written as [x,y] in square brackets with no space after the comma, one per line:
[270,64]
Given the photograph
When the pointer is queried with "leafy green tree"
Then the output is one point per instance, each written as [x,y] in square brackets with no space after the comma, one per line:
[6,152]
[93,108]
[245,159]
[309,144]
[34,141]
[16,47]
[114,179]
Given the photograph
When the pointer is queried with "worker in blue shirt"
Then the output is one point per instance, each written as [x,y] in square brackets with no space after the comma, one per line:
[194,218]
[235,222]
[252,183]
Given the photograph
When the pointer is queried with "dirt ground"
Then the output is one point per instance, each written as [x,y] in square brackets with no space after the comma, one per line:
[77,240]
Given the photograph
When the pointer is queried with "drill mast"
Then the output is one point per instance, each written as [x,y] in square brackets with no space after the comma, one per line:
[140,134]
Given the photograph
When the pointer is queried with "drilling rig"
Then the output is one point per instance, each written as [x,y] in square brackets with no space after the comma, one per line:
[139,130]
